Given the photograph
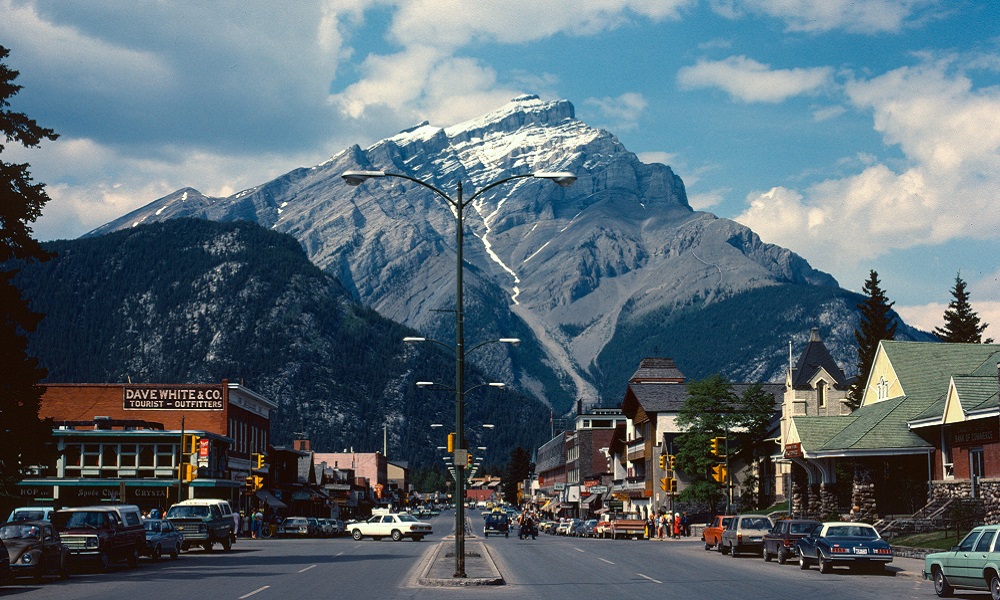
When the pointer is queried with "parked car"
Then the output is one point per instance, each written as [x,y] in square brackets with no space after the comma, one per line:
[204,522]
[34,549]
[162,538]
[102,533]
[585,528]
[566,527]
[394,525]
[31,513]
[4,564]
[496,523]
[712,535]
[781,541]
[851,544]
[745,533]
[974,564]
[315,527]
[295,527]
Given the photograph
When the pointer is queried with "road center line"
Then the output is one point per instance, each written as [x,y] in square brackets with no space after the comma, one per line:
[606,560]
[649,578]
[340,554]
[578,550]
[307,568]
[256,591]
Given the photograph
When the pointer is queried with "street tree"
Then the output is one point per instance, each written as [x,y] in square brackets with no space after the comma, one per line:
[23,436]
[877,323]
[518,469]
[961,323]
[706,413]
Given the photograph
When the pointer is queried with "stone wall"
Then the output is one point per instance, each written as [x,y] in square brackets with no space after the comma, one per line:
[828,504]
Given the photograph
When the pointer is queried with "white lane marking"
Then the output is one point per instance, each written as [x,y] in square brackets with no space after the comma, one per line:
[256,591]
[578,550]
[307,568]
[606,560]
[649,578]
[340,554]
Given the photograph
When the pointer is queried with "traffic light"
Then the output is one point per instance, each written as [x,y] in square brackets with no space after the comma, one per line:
[258,482]
[719,473]
[190,472]
[672,461]
[258,460]
[663,462]
[719,446]
[468,461]
[249,485]
[451,442]
[191,444]
[668,484]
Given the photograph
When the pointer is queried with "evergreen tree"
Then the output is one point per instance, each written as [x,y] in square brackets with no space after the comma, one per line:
[708,412]
[22,436]
[517,470]
[877,323]
[961,323]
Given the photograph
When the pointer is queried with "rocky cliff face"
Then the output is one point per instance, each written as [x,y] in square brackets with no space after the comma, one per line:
[553,265]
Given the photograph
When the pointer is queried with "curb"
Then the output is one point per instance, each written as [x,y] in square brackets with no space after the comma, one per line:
[478,560]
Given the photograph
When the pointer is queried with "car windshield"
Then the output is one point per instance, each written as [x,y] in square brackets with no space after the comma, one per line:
[28,515]
[407,518]
[80,520]
[856,531]
[187,512]
[805,528]
[19,532]
[152,525]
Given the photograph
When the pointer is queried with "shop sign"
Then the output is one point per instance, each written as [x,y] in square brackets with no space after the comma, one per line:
[599,489]
[559,486]
[974,436]
[152,397]
[36,491]
[793,450]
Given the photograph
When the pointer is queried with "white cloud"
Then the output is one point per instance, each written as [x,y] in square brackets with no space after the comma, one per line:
[949,133]
[706,200]
[747,80]
[928,316]
[621,113]
[656,156]
[857,16]
[828,112]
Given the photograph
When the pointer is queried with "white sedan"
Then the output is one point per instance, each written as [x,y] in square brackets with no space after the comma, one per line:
[394,525]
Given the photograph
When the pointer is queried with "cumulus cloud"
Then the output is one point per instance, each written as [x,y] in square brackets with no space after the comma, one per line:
[949,133]
[621,113]
[747,80]
[814,16]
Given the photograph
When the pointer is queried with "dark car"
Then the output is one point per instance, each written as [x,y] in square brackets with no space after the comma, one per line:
[781,541]
[102,534]
[496,523]
[162,538]
[851,544]
[35,549]
[4,564]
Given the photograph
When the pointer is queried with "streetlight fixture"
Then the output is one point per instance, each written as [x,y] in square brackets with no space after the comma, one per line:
[458,204]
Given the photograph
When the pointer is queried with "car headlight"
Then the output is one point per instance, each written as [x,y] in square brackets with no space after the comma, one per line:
[91,542]
[26,558]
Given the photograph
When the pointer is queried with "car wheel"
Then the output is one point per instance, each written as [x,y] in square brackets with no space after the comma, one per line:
[941,586]
[396,535]
[176,552]
[825,566]
[507,535]
[133,559]
[103,561]
[803,562]
[782,557]
[208,546]
[40,569]
[64,567]
[356,534]
[723,549]
[227,544]
[767,555]
[486,534]
[157,552]
[994,587]
[707,546]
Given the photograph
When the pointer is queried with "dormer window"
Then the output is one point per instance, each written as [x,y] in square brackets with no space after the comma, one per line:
[821,394]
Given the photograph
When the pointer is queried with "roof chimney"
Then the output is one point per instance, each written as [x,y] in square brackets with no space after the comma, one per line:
[302,445]
[814,335]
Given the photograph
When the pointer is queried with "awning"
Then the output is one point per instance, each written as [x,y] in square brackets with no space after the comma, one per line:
[269,499]
[590,499]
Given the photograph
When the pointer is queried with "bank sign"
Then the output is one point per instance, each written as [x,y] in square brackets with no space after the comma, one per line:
[192,397]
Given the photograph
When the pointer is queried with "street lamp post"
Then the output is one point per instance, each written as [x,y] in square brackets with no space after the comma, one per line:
[561,178]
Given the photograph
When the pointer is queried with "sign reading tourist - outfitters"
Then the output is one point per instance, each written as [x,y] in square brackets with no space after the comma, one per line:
[185,397]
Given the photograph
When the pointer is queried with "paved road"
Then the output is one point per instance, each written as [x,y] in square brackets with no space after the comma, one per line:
[550,567]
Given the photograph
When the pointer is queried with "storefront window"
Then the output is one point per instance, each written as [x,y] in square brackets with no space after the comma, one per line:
[146,455]
[91,455]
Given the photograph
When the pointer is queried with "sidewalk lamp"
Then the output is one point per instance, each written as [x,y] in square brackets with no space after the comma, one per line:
[458,204]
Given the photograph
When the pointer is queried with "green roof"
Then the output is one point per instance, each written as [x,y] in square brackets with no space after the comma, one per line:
[880,425]
[816,431]
[925,368]
[977,393]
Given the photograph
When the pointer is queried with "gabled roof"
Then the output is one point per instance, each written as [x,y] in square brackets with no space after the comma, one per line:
[924,368]
[816,357]
[659,398]
[878,427]
[814,432]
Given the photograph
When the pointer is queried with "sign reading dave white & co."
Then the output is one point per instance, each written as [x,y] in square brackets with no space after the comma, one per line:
[190,397]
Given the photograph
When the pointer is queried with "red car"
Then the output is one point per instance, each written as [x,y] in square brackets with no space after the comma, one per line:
[712,535]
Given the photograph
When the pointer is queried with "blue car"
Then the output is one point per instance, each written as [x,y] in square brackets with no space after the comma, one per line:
[848,544]
[161,538]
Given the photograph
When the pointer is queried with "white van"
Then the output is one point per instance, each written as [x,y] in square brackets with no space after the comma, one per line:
[31,513]
[204,527]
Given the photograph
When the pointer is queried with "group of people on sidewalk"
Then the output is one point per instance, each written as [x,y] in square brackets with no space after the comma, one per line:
[664,525]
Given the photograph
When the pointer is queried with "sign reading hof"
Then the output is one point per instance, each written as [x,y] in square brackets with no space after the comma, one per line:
[192,397]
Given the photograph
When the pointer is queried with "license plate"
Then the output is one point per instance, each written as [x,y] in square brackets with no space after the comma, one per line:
[861,550]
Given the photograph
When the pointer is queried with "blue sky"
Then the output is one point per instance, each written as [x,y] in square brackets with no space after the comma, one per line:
[862,134]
